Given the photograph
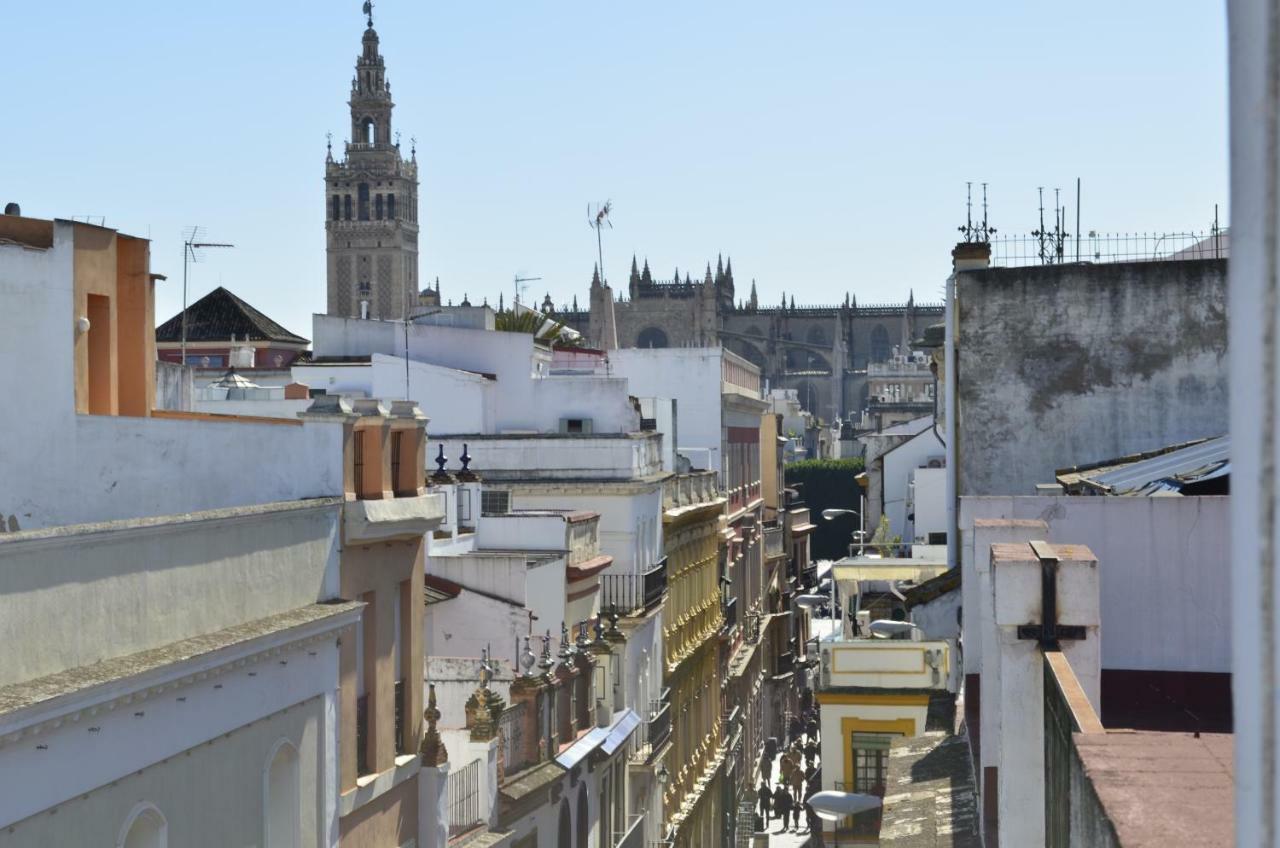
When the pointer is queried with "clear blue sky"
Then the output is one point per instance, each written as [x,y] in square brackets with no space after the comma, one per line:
[823,145]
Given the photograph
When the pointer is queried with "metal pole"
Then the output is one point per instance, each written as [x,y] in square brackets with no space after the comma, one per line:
[186,247]
[1077,219]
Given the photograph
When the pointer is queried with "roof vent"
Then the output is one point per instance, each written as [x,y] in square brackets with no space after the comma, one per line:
[12,209]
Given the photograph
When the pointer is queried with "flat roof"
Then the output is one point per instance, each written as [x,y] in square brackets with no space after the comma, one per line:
[1164,790]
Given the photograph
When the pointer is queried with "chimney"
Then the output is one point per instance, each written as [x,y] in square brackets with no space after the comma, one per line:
[971,256]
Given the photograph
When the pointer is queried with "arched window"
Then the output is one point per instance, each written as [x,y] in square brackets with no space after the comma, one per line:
[391,207]
[584,825]
[144,828]
[565,836]
[346,207]
[282,797]
[881,350]
[370,131]
[377,207]
[337,207]
[652,337]
[362,197]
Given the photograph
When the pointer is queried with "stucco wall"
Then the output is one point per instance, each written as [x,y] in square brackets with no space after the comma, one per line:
[692,376]
[210,795]
[147,586]
[899,464]
[1068,365]
[1162,563]
[173,386]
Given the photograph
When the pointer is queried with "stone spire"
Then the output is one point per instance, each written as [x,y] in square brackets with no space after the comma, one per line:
[752,301]
[633,279]
[432,750]
[645,277]
[595,276]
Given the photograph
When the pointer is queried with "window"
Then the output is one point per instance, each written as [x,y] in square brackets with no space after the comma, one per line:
[396,440]
[370,128]
[366,668]
[399,659]
[575,425]
[377,207]
[283,800]
[391,206]
[357,451]
[494,502]
[337,207]
[346,207]
[99,354]
[870,771]
[362,199]
[144,828]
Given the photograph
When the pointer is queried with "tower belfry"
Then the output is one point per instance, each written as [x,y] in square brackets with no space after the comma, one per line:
[371,202]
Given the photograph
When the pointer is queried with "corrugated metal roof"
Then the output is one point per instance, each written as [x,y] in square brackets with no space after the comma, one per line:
[1165,473]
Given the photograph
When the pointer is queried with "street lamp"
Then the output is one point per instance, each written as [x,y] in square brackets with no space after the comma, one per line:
[833,805]
[189,248]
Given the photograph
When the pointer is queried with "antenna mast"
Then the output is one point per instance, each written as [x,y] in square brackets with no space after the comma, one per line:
[597,221]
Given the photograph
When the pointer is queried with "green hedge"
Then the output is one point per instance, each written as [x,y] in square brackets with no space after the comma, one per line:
[828,484]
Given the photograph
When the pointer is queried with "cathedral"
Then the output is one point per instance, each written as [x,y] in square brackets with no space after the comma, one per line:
[820,351]
[371,226]
[371,198]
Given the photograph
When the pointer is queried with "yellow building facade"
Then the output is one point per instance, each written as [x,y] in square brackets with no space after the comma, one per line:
[692,619]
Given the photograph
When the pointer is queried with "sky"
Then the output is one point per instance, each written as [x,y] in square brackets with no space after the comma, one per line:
[824,146]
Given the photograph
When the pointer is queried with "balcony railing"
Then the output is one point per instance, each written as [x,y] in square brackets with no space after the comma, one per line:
[785,664]
[731,614]
[635,593]
[657,730]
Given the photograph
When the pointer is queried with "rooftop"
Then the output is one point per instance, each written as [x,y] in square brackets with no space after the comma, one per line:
[218,316]
[1163,790]
[929,797]
[1173,470]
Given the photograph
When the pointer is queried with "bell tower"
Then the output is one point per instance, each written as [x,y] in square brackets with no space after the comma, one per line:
[371,202]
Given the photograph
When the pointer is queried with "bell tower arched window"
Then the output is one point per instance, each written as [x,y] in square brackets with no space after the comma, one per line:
[337,208]
[363,200]
[377,208]
[346,207]
[391,206]
[370,131]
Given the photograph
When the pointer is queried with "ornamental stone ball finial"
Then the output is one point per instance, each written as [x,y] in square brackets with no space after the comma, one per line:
[441,460]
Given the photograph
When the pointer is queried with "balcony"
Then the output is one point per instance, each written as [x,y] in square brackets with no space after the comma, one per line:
[657,730]
[696,487]
[635,594]
[366,521]
[773,542]
[730,615]
[886,664]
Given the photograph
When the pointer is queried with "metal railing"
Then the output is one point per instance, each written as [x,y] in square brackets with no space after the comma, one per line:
[1059,248]
[635,592]
[464,799]
[730,614]
[658,728]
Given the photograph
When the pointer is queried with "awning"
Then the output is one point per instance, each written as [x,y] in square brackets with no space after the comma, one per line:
[607,739]
[915,570]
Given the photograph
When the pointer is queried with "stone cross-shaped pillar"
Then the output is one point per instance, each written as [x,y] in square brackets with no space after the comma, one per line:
[1044,597]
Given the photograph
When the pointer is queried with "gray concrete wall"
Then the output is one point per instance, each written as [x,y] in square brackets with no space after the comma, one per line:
[1068,365]
[173,386]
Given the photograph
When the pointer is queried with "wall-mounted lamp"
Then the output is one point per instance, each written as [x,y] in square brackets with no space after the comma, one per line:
[82,325]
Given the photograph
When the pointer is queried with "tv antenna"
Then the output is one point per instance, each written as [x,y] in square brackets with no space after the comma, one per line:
[1051,242]
[979,233]
[520,284]
[597,220]
[192,247]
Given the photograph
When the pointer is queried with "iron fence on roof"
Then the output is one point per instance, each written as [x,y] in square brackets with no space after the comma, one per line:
[1061,248]
[464,798]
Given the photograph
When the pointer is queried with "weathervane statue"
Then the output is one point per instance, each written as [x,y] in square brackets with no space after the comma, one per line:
[368,11]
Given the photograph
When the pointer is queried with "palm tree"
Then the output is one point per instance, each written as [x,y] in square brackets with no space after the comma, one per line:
[543,328]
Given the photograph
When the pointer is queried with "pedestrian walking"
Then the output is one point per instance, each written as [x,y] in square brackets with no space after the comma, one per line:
[766,798]
[782,805]
[766,767]
[795,814]
[810,754]
[797,784]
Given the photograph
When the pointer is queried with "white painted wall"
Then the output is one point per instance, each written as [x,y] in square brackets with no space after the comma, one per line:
[692,376]
[899,464]
[939,618]
[273,408]
[528,397]
[139,585]
[1165,582]
[64,468]
[553,457]
[630,522]
[929,503]
[132,757]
